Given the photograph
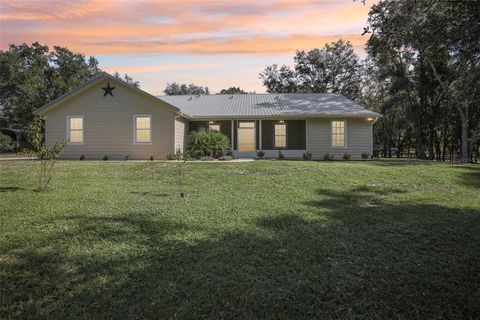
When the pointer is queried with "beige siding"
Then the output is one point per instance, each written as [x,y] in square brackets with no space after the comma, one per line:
[359,138]
[109,124]
[180,133]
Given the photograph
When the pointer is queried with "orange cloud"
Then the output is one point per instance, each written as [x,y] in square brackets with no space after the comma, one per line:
[195,27]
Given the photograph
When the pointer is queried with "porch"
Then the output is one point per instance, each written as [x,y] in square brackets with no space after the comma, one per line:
[248,136]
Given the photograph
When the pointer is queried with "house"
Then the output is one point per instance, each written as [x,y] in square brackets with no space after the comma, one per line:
[106,116]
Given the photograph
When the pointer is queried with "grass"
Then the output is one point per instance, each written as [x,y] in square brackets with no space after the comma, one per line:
[263,239]
[14,155]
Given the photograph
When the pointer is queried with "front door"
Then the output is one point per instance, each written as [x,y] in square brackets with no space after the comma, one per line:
[246,136]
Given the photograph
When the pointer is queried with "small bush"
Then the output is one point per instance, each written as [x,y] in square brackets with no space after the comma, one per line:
[82,157]
[281,155]
[365,155]
[6,143]
[105,157]
[328,157]
[127,157]
[207,143]
[260,154]
[225,158]
[152,158]
[307,156]
[346,156]
[178,155]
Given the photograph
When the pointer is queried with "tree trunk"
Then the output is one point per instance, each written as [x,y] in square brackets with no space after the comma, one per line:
[464,120]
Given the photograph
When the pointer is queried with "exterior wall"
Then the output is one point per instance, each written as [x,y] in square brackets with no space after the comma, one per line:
[358,138]
[180,133]
[109,124]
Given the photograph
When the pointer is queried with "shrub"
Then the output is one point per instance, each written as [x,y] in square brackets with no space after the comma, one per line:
[47,155]
[328,157]
[152,158]
[281,155]
[225,158]
[105,157]
[307,156]
[82,157]
[260,154]
[6,143]
[365,155]
[127,157]
[207,143]
[346,156]
[178,155]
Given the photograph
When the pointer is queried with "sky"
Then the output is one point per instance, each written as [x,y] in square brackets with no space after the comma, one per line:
[210,43]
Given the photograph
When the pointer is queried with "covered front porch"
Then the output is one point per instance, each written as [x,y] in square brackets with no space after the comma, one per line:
[249,135]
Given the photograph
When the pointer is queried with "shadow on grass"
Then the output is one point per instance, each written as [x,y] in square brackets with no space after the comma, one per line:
[471,176]
[10,189]
[344,261]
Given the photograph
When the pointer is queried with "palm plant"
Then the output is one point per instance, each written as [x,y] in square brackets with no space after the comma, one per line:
[207,143]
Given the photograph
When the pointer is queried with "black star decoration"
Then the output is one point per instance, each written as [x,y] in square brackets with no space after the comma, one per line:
[108,90]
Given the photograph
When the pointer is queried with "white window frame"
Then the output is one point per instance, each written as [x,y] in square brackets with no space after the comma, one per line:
[68,130]
[135,116]
[275,135]
[344,134]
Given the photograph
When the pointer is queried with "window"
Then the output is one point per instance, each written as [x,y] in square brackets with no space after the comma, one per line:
[280,135]
[75,129]
[143,129]
[214,127]
[338,133]
[244,124]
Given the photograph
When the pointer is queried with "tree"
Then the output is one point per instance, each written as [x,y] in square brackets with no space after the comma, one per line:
[233,90]
[333,69]
[174,88]
[31,76]
[47,156]
[128,79]
[441,66]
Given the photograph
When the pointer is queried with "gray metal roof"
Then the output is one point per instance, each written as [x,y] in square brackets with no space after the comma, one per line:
[268,105]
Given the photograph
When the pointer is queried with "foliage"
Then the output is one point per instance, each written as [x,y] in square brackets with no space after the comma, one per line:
[269,239]
[333,69]
[127,79]
[32,75]
[47,156]
[127,157]
[106,157]
[307,156]
[152,158]
[260,154]
[427,82]
[281,155]
[346,156]
[328,157]
[207,143]
[82,157]
[174,88]
[6,143]
[233,90]
[365,155]
[177,155]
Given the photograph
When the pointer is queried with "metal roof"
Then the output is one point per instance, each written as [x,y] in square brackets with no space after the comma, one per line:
[267,105]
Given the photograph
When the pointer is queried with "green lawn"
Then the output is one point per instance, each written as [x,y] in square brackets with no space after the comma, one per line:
[263,239]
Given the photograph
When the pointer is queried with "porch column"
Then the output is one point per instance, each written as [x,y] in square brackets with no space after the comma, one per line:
[260,135]
[233,137]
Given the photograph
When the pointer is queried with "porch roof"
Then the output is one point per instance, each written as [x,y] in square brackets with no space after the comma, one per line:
[294,105]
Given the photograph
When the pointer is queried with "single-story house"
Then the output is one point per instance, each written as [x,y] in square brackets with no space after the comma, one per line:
[106,116]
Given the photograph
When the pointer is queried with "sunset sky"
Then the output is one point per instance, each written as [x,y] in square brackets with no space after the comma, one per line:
[210,43]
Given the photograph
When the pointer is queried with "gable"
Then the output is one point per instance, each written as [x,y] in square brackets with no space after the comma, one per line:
[92,91]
